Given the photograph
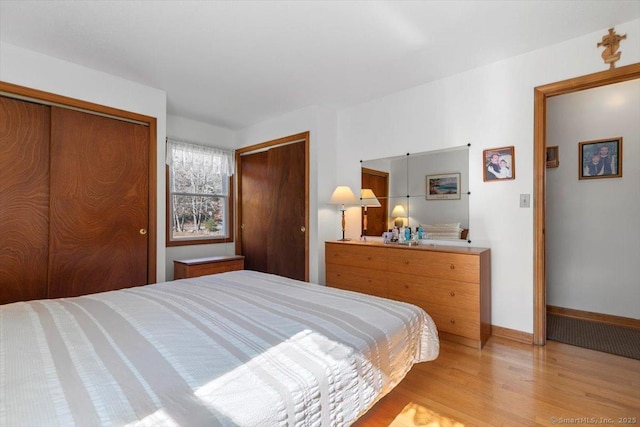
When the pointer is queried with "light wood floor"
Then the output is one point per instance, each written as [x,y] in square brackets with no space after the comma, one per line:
[513,384]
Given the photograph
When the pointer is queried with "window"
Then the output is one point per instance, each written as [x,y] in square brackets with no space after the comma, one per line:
[198,188]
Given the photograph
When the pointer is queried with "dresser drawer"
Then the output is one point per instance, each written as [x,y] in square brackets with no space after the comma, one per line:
[356,279]
[374,258]
[455,323]
[444,265]
[435,292]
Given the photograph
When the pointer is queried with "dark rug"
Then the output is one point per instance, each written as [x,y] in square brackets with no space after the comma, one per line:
[596,336]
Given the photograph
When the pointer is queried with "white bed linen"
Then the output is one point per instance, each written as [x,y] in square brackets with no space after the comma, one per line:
[239,348]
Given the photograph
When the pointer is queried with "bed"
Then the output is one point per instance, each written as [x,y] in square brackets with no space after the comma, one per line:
[239,348]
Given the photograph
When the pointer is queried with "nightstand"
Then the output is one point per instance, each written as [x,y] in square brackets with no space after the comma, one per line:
[186,268]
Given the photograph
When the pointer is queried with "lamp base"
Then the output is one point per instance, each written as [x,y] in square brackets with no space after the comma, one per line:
[343,240]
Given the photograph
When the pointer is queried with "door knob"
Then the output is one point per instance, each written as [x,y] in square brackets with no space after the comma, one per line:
[303,229]
[143,231]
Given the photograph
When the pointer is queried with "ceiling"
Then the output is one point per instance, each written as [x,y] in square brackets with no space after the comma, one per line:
[237,63]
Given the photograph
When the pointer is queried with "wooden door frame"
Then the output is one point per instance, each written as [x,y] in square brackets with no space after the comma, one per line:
[299,137]
[47,98]
[541,93]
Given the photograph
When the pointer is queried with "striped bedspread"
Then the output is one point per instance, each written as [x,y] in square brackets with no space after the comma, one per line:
[239,348]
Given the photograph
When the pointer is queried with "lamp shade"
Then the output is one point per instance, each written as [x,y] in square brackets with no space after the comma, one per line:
[343,195]
[368,198]
[398,211]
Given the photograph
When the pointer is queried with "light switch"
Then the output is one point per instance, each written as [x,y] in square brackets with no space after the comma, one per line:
[525,200]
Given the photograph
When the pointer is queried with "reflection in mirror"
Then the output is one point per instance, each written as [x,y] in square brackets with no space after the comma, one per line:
[421,189]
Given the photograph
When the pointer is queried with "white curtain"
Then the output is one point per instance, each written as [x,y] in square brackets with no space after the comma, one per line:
[218,160]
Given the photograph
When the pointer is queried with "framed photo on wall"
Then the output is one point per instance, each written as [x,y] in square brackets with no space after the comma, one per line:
[499,164]
[601,158]
[443,187]
[553,160]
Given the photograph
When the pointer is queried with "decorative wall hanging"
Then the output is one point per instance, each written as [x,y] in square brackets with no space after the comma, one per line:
[552,157]
[601,158]
[611,43]
[443,187]
[499,163]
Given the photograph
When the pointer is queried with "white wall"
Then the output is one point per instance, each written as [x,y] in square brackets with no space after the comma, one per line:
[593,226]
[27,68]
[205,134]
[489,107]
[321,122]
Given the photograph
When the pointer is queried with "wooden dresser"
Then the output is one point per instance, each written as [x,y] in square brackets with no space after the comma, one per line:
[452,284]
[186,268]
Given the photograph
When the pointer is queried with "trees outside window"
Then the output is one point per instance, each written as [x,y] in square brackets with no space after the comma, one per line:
[199,196]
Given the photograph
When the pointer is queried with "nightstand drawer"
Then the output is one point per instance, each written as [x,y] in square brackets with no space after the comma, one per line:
[186,268]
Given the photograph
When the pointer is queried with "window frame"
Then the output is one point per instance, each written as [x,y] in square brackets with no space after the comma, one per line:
[198,241]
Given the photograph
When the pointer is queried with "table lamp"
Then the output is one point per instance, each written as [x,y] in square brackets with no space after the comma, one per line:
[399,213]
[343,195]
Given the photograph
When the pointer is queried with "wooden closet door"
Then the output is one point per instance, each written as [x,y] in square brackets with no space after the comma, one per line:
[254,187]
[286,211]
[99,204]
[24,200]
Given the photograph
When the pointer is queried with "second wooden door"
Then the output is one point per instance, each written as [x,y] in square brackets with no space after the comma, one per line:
[272,198]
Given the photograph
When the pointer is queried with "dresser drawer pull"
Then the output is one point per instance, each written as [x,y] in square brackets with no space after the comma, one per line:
[451,266]
[369,258]
[406,286]
[453,294]
[453,321]
[406,261]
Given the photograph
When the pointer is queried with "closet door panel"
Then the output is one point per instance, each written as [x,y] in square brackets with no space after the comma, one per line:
[286,211]
[254,182]
[99,204]
[24,200]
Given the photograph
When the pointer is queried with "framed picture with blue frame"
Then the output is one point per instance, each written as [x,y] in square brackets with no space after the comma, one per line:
[443,186]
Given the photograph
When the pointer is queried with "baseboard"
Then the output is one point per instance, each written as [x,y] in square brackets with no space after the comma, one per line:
[512,334]
[625,322]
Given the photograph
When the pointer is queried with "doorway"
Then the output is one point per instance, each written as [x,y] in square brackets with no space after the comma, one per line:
[541,94]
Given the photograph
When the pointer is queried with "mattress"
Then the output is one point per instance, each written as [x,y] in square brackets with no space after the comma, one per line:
[239,348]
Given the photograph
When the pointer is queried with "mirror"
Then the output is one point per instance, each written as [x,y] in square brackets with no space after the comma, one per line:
[432,188]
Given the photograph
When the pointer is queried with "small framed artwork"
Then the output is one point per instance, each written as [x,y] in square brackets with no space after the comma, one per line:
[443,187]
[552,157]
[499,163]
[601,158]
